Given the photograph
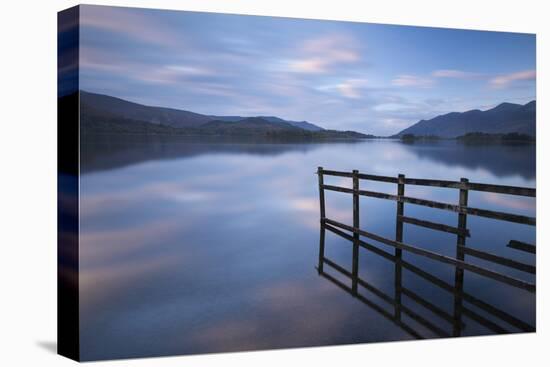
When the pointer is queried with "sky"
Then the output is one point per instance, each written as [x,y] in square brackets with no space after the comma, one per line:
[372,78]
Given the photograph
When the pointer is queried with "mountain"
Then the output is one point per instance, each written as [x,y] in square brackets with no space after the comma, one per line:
[102,114]
[166,116]
[116,107]
[504,118]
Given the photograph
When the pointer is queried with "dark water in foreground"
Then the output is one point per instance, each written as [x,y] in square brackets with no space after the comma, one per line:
[190,247]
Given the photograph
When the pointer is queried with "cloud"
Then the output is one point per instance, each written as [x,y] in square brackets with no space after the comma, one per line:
[314,65]
[169,74]
[319,55]
[406,80]
[390,106]
[396,123]
[94,60]
[129,22]
[456,74]
[102,60]
[502,81]
[188,70]
[434,102]
[350,88]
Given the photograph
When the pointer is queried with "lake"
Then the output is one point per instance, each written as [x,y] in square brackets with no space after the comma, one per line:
[211,246]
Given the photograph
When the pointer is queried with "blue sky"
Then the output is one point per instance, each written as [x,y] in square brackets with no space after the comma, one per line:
[372,78]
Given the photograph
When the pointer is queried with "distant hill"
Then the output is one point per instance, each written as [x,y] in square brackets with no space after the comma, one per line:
[116,107]
[503,119]
[102,114]
[249,125]
[300,124]
[167,116]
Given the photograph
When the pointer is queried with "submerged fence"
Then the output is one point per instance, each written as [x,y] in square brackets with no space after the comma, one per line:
[354,234]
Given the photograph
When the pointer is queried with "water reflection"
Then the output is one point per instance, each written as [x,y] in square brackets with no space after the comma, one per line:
[500,159]
[198,247]
[439,322]
[109,152]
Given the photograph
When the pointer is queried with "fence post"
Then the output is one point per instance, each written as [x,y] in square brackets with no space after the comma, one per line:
[399,238]
[460,243]
[463,203]
[355,264]
[400,211]
[321,221]
[321,193]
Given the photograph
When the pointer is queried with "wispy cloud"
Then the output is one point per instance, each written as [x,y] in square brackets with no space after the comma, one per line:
[313,65]
[455,74]
[320,54]
[396,124]
[406,80]
[349,88]
[503,81]
[129,22]
[94,59]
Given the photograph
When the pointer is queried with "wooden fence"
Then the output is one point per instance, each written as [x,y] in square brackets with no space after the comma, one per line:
[461,231]
[356,235]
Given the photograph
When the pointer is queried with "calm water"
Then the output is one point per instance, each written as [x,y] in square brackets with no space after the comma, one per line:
[190,247]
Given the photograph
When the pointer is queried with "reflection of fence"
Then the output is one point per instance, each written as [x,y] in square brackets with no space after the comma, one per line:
[354,234]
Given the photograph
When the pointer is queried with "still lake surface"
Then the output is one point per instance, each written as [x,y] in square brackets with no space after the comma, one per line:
[211,246]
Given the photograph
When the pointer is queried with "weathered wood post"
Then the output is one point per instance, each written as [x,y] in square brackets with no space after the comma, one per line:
[322,220]
[399,238]
[400,211]
[460,243]
[463,203]
[355,264]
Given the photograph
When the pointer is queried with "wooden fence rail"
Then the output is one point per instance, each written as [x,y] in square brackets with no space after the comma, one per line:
[472,186]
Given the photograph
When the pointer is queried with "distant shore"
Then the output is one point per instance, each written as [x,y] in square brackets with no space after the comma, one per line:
[474,137]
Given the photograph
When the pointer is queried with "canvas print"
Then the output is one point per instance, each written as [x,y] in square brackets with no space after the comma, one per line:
[234,183]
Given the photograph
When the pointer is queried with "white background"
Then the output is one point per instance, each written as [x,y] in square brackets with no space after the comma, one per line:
[28,183]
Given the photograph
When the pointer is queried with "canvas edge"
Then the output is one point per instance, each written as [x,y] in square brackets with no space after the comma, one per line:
[68,328]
